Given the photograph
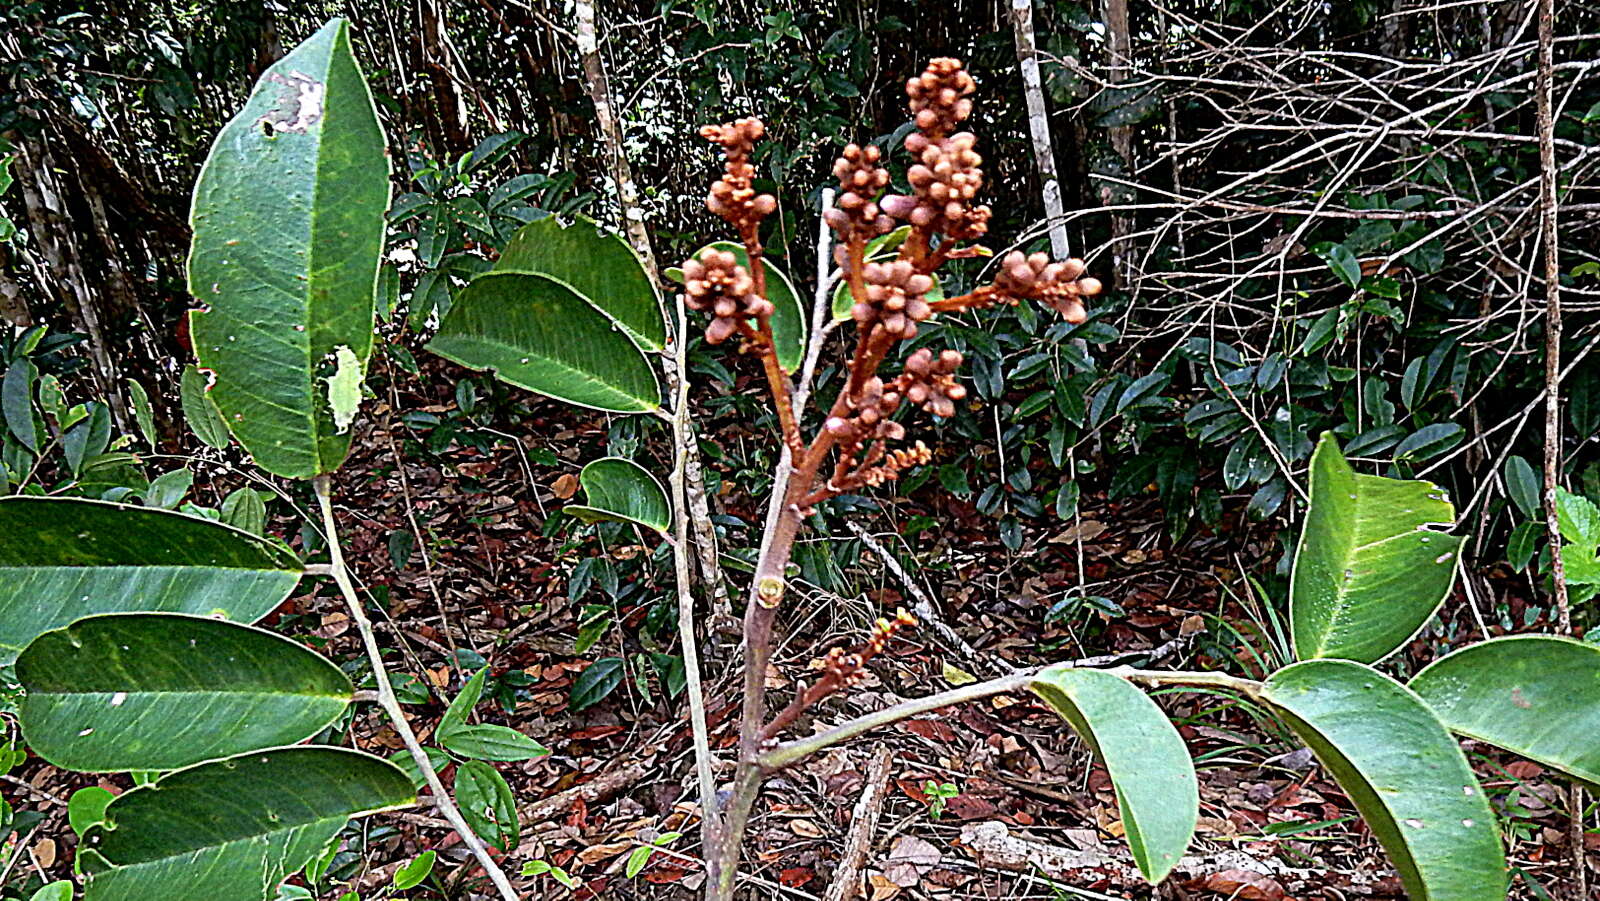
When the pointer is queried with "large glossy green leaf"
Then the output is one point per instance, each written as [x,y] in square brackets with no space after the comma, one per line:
[1536,695]
[233,829]
[66,558]
[598,265]
[537,333]
[1374,563]
[160,691]
[622,490]
[1148,762]
[288,229]
[789,313]
[1403,770]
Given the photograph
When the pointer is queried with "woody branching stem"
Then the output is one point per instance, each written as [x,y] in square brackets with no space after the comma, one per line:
[860,431]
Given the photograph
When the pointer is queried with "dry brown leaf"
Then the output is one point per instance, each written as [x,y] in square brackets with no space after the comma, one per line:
[45,850]
[565,487]
[1245,885]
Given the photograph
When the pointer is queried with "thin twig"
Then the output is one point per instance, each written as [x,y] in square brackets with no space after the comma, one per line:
[391,704]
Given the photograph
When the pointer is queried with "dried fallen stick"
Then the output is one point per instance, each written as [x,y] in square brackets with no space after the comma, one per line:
[863,823]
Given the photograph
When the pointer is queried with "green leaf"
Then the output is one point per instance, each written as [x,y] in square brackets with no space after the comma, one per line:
[412,874]
[16,403]
[490,742]
[60,890]
[1578,518]
[66,558]
[1339,259]
[160,691]
[598,679]
[619,489]
[86,807]
[455,716]
[1372,566]
[597,265]
[789,313]
[1149,764]
[288,232]
[1534,695]
[143,414]
[1404,772]
[538,334]
[233,828]
[244,509]
[1522,485]
[200,411]
[169,489]
[487,804]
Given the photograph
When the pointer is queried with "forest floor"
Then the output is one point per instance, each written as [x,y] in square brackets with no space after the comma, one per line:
[992,800]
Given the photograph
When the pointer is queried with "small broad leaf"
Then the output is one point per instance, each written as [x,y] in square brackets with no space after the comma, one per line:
[244,509]
[620,489]
[169,489]
[1373,563]
[490,742]
[598,265]
[1522,484]
[412,874]
[199,411]
[537,333]
[1339,259]
[487,804]
[1578,518]
[1534,695]
[789,313]
[1150,768]
[66,558]
[86,807]
[289,223]
[56,891]
[160,691]
[143,414]
[1404,772]
[16,402]
[233,828]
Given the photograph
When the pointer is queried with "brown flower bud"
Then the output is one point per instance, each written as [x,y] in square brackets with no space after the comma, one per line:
[733,196]
[929,381]
[718,283]
[1061,285]
[895,298]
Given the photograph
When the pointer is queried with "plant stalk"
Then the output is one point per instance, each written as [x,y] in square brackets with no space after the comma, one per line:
[391,704]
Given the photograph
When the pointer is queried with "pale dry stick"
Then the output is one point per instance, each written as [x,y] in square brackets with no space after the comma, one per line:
[390,704]
[681,433]
[1549,200]
[821,309]
[863,823]
[923,607]
[1039,126]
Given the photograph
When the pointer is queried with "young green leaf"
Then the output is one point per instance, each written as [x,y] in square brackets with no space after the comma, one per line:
[620,489]
[597,681]
[1534,695]
[56,891]
[86,807]
[537,333]
[244,509]
[1374,561]
[159,691]
[1404,772]
[139,400]
[412,874]
[233,828]
[1522,485]
[288,232]
[66,558]
[598,265]
[455,716]
[200,411]
[1150,767]
[491,742]
[487,804]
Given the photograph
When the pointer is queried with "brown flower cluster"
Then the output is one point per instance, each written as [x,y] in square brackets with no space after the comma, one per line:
[733,196]
[873,406]
[895,298]
[717,282]
[846,667]
[1061,285]
[894,463]
[939,96]
[930,381]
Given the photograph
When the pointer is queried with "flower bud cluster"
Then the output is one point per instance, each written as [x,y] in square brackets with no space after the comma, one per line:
[717,282]
[733,196]
[896,462]
[1061,285]
[944,182]
[939,96]
[895,298]
[855,214]
[929,381]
